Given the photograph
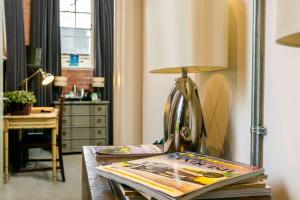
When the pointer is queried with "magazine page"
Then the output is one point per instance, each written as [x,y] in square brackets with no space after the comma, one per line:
[177,174]
[129,149]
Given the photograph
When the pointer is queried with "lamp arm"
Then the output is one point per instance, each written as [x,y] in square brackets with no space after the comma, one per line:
[25,81]
[32,75]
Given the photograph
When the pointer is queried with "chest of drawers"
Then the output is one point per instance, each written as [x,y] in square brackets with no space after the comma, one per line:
[85,123]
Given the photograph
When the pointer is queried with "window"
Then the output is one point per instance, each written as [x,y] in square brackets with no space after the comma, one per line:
[76,26]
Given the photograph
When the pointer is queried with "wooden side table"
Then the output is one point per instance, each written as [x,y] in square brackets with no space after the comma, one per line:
[95,187]
[36,120]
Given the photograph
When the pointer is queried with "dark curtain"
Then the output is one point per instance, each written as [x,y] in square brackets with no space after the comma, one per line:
[45,34]
[15,70]
[14,67]
[103,46]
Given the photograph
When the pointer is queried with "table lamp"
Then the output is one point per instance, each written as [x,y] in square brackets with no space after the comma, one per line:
[98,82]
[186,36]
[288,23]
[60,82]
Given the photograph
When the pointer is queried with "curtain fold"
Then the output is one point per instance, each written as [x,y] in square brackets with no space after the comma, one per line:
[15,70]
[103,51]
[14,67]
[45,34]
[128,66]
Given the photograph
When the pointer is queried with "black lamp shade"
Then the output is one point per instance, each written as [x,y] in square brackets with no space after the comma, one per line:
[34,56]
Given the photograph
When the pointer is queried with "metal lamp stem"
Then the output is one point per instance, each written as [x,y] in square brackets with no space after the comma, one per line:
[184,72]
[258,131]
[183,112]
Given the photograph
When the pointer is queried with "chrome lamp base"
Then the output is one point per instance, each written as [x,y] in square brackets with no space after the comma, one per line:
[183,115]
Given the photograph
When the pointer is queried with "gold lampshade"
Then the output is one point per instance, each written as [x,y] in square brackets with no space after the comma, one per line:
[186,33]
[47,78]
[288,23]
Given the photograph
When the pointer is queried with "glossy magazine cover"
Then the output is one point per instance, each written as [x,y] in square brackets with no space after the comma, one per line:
[178,174]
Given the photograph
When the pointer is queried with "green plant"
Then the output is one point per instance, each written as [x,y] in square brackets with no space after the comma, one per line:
[22,97]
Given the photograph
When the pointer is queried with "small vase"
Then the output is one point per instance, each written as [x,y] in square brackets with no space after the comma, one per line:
[20,109]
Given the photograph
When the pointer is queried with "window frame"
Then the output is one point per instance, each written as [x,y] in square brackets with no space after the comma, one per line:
[89,56]
[75,26]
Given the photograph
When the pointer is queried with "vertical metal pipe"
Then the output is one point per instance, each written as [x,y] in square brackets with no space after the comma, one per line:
[257,122]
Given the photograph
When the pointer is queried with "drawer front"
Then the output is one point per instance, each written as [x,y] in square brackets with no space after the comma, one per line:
[81,109]
[66,121]
[66,109]
[78,133]
[99,142]
[66,133]
[81,121]
[66,145]
[77,144]
[99,120]
[99,109]
[99,132]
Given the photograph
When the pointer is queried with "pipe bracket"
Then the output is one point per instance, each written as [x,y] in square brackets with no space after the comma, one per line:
[259,130]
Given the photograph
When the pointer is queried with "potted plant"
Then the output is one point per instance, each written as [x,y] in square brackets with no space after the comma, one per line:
[20,102]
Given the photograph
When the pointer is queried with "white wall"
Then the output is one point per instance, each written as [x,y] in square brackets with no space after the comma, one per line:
[282,97]
[282,111]
[226,95]
[156,88]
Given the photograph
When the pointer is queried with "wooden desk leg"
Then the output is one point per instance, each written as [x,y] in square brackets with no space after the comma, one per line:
[54,130]
[6,159]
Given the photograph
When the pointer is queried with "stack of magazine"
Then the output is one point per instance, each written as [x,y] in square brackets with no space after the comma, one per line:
[177,175]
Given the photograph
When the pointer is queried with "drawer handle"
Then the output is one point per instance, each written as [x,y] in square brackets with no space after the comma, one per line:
[99,108]
[64,121]
[64,133]
[64,109]
[99,120]
[99,132]
[99,143]
[64,145]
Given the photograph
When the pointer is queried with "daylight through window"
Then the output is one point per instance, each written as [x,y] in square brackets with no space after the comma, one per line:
[76,26]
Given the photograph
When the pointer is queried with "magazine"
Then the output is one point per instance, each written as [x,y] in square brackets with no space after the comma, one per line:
[111,154]
[178,175]
[247,192]
[258,188]
[129,149]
